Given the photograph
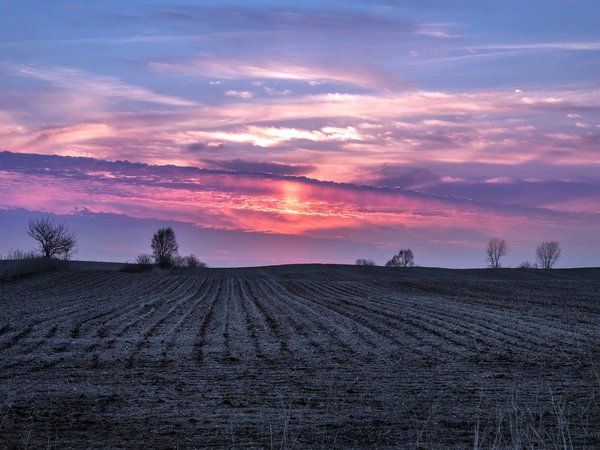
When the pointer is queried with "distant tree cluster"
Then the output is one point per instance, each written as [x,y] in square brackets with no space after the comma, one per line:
[189,261]
[546,254]
[165,252]
[56,240]
[404,258]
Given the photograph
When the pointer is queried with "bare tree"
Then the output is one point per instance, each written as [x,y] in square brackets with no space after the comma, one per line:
[547,253]
[164,246]
[496,248]
[55,239]
[404,258]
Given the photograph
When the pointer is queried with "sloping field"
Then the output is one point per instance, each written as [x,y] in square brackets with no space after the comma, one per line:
[301,357]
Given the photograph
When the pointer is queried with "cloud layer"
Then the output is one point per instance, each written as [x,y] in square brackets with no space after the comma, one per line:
[267,203]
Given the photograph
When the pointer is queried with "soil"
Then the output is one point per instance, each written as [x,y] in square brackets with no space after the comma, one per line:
[301,356]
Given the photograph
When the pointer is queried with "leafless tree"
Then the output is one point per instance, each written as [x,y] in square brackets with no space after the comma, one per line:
[547,253]
[164,246]
[55,239]
[365,262]
[404,258]
[496,248]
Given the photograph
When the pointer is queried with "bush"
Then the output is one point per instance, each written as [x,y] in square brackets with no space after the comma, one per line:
[193,261]
[143,263]
[365,262]
[144,260]
[188,262]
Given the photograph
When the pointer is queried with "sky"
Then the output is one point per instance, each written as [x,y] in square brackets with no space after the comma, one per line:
[272,132]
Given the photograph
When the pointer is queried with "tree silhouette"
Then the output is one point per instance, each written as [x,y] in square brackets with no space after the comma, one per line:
[192,261]
[547,253]
[404,258]
[496,248]
[55,239]
[164,247]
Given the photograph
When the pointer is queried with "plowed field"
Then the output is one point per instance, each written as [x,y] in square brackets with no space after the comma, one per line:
[301,357]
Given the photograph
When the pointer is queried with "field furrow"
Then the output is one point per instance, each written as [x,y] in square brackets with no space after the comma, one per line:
[258,330]
[302,357]
[179,338]
[203,336]
[278,331]
[404,326]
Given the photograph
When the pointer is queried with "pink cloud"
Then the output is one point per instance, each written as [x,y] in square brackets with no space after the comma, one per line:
[260,203]
[341,133]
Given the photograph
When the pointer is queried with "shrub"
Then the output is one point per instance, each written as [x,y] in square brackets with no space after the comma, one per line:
[192,261]
[144,260]
[365,262]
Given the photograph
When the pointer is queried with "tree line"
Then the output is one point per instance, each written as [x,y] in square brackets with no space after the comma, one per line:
[546,256]
[57,240]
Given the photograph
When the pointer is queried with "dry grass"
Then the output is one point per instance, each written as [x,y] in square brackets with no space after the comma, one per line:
[17,268]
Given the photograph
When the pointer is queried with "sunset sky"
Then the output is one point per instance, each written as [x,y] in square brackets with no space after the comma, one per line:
[270,132]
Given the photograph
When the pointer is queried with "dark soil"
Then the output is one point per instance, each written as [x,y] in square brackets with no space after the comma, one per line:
[301,357]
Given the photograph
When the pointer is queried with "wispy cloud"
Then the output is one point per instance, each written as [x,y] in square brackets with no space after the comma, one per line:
[246,95]
[102,86]
[264,69]
[437,30]
[125,40]
[271,136]
[581,45]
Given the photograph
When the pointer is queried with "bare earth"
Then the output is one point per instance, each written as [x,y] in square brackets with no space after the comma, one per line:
[301,357]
